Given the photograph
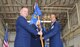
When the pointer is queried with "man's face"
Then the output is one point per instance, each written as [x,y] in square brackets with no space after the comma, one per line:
[24,12]
[53,18]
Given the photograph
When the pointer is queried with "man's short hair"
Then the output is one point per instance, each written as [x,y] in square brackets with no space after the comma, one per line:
[23,7]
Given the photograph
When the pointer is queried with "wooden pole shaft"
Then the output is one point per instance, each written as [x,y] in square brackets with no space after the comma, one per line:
[42,43]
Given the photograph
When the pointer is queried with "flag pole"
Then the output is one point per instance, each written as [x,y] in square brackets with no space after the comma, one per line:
[42,43]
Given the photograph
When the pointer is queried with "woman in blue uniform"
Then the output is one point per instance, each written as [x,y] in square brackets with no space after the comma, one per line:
[54,33]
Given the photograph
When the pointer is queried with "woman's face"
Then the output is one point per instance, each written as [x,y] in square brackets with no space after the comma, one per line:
[53,18]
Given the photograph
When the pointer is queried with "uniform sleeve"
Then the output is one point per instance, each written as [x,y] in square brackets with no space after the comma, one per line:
[23,23]
[52,32]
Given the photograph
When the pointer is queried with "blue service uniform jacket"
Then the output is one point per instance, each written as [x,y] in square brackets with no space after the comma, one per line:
[23,33]
[35,40]
[54,35]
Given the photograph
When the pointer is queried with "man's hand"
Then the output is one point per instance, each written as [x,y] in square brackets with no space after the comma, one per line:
[42,37]
[40,33]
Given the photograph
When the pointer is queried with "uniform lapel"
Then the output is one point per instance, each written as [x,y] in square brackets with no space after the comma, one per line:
[52,25]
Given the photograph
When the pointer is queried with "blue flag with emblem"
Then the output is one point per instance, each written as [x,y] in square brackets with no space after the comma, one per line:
[37,12]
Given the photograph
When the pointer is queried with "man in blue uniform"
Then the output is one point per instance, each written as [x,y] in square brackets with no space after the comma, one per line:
[54,33]
[24,30]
